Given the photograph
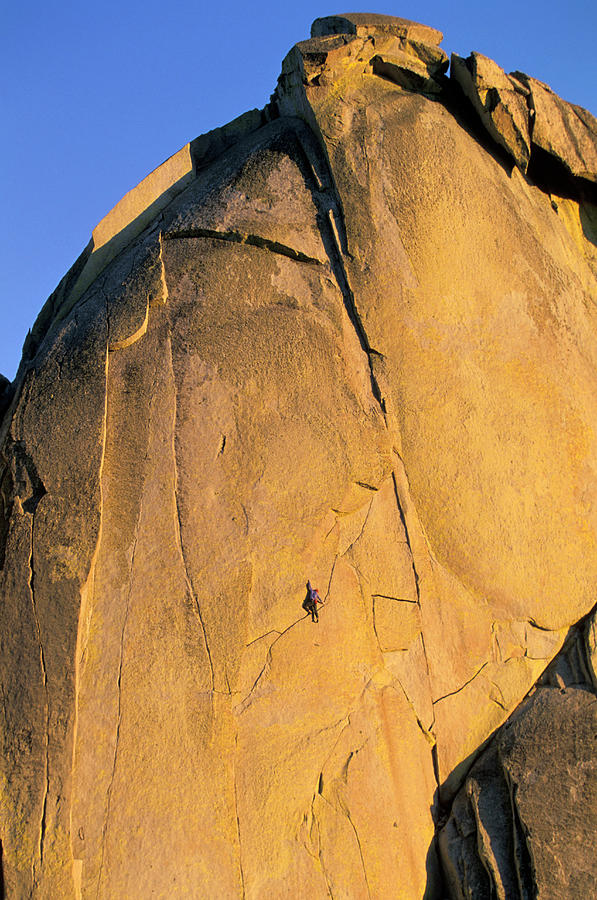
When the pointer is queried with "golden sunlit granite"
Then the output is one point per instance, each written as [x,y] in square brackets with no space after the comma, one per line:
[347,342]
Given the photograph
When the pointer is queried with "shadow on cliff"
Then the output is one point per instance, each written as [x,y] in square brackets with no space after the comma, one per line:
[570,669]
[544,171]
[462,110]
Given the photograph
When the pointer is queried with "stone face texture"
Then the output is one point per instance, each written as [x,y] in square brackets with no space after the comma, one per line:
[564,131]
[526,118]
[524,823]
[499,101]
[354,349]
[367,24]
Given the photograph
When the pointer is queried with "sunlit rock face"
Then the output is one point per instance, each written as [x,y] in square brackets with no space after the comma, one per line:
[351,338]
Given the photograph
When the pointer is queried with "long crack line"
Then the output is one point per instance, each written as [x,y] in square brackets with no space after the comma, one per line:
[239,237]
[42,824]
[119,711]
[402,515]
[462,686]
[332,228]
[178,522]
[86,595]
[240,853]
[356,834]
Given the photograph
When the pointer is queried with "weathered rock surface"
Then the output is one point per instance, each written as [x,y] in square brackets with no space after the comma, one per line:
[563,130]
[524,115]
[524,823]
[500,102]
[338,340]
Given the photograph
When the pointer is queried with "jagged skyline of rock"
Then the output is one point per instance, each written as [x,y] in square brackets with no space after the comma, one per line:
[83,132]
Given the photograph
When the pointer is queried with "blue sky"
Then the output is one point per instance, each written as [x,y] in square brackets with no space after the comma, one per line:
[95,96]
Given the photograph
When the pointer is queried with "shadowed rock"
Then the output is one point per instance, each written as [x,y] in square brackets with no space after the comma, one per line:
[524,823]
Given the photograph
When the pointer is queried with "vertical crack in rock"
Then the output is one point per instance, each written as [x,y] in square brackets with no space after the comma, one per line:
[2,891]
[435,762]
[240,848]
[327,593]
[356,834]
[315,824]
[119,713]
[44,674]
[408,526]
[178,517]
[86,600]
[523,858]
[409,542]
[332,228]
[165,295]
[419,563]
[324,872]
[429,737]
[359,535]
[5,508]
[319,855]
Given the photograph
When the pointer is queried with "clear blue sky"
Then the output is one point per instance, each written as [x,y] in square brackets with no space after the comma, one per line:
[96,95]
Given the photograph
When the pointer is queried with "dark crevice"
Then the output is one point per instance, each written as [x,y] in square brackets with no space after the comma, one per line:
[465,114]
[332,228]
[553,177]
[18,478]
[6,493]
[408,540]
[44,675]
[368,487]
[435,762]
[396,599]
[7,392]
[572,662]
[523,860]
[239,237]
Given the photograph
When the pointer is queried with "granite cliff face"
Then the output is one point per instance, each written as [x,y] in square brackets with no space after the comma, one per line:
[351,338]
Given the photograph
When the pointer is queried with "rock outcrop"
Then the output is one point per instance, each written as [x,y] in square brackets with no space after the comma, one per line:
[345,338]
[524,115]
[526,817]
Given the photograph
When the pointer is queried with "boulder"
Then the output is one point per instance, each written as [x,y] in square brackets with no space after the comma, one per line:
[499,100]
[566,132]
[523,825]
[368,24]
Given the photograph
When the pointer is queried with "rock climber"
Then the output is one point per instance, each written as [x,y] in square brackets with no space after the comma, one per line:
[310,602]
